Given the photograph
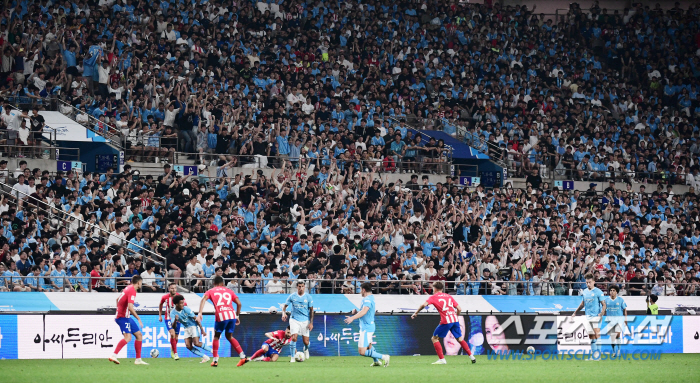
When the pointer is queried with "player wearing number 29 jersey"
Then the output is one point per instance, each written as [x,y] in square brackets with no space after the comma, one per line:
[226,318]
[222,298]
[449,321]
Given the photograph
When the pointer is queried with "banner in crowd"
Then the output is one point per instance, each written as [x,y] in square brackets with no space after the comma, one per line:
[45,336]
[333,303]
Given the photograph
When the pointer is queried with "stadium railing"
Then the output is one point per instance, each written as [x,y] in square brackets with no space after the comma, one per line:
[346,286]
[420,164]
[67,219]
[106,130]
[40,152]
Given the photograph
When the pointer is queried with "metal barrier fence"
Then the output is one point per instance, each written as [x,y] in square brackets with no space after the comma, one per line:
[267,285]
[419,164]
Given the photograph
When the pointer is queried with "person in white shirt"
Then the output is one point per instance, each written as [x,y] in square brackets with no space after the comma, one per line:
[20,189]
[149,278]
[194,270]
[117,237]
[308,108]
[275,286]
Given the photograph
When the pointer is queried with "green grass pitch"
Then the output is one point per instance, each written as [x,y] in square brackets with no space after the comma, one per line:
[670,368]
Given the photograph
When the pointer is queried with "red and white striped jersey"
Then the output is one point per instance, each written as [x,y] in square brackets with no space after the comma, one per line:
[222,299]
[279,340]
[168,304]
[128,295]
[445,305]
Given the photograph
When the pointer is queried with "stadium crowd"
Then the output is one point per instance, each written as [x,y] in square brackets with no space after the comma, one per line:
[595,94]
[317,91]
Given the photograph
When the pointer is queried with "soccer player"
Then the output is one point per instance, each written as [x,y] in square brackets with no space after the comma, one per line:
[616,314]
[185,315]
[270,349]
[226,319]
[173,328]
[449,321]
[125,308]
[301,322]
[367,327]
[594,303]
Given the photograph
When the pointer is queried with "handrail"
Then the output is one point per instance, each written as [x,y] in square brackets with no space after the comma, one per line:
[112,133]
[338,285]
[87,224]
[275,161]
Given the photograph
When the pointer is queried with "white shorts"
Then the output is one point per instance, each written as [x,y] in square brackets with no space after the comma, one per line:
[594,322]
[299,328]
[365,339]
[616,324]
[191,332]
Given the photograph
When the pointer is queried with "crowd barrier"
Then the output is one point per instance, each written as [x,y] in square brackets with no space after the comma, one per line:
[64,303]
[52,336]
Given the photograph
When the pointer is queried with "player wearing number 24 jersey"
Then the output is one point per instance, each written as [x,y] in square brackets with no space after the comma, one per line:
[226,318]
[449,320]
[125,309]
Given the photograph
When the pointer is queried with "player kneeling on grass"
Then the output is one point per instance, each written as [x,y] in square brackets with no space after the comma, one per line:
[449,313]
[270,349]
[367,327]
[190,323]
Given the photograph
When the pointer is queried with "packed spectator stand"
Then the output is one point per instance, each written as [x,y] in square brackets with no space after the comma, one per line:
[327,94]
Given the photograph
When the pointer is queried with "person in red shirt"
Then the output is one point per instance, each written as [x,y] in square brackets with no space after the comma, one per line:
[270,349]
[172,327]
[125,308]
[225,318]
[449,320]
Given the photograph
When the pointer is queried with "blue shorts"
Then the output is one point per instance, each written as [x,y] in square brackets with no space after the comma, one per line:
[442,330]
[225,326]
[128,325]
[169,325]
[270,351]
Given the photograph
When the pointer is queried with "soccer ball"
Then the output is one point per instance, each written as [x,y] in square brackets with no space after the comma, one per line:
[299,356]
[530,350]
[154,353]
[272,310]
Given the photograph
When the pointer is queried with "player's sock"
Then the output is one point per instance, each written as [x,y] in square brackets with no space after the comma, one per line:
[195,351]
[438,349]
[237,347]
[594,347]
[465,346]
[137,346]
[266,359]
[173,345]
[306,347]
[206,348]
[119,347]
[258,354]
[372,353]
[293,348]
[215,349]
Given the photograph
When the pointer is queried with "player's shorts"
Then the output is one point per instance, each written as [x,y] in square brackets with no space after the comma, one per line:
[615,323]
[128,325]
[226,326]
[169,326]
[191,332]
[365,339]
[442,329]
[270,351]
[299,328]
[594,321]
